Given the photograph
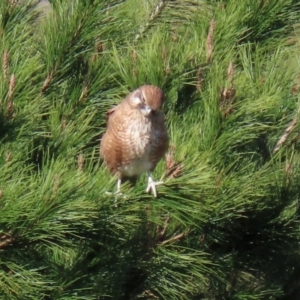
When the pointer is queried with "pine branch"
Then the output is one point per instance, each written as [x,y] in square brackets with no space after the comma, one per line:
[225,206]
[154,14]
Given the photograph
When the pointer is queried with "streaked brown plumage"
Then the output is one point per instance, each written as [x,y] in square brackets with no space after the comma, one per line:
[136,136]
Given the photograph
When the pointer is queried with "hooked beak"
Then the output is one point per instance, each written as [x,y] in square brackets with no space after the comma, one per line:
[146,110]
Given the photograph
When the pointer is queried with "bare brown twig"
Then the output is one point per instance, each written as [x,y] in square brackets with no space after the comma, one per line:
[282,140]
[99,48]
[134,63]
[157,10]
[84,95]
[64,123]
[6,240]
[173,168]
[55,184]
[5,65]
[48,80]
[230,73]
[12,85]
[174,238]
[10,103]
[80,162]
[296,138]
[200,78]
[296,86]
[149,295]
[8,156]
[209,41]
[227,94]
[161,231]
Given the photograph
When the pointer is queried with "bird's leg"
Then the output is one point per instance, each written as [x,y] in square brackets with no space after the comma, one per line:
[118,186]
[152,185]
[118,191]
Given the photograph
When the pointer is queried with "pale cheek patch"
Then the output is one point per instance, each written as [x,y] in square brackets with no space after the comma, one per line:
[136,100]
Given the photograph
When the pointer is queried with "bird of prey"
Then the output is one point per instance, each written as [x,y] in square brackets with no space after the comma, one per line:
[136,137]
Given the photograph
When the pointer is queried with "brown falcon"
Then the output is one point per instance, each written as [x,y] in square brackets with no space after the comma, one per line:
[136,136]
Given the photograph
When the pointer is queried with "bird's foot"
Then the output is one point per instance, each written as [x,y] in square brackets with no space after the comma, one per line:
[152,185]
[117,194]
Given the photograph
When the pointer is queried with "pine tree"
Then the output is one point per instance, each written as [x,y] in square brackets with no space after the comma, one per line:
[225,224]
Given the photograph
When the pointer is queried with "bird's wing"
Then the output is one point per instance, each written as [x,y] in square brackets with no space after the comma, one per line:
[160,142]
[113,143]
[111,112]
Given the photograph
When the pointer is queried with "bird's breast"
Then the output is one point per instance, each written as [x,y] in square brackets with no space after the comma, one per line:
[136,167]
[139,134]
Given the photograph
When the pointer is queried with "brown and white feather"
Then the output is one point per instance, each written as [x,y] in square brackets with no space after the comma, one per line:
[134,142]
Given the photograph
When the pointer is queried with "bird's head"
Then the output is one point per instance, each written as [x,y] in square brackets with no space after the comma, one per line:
[147,98]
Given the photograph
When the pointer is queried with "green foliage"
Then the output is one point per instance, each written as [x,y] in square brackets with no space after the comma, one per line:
[225,224]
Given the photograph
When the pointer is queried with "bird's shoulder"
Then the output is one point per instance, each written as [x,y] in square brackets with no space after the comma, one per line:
[158,120]
[117,115]
[160,132]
